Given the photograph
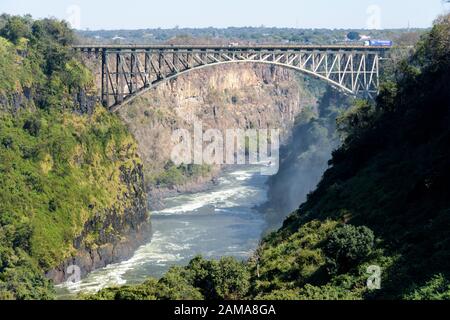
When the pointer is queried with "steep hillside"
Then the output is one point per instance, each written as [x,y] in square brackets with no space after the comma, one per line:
[72,187]
[381,209]
[392,173]
[383,202]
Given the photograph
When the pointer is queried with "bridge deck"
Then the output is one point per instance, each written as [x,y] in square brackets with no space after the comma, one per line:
[232,48]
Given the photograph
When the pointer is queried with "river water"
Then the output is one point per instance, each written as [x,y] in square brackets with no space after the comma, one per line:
[219,222]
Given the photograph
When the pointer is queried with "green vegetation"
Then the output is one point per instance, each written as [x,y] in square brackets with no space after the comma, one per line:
[173,175]
[58,168]
[201,279]
[353,35]
[391,175]
[438,288]
[383,202]
[347,247]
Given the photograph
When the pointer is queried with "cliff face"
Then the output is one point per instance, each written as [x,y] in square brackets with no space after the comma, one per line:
[119,230]
[113,231]
[72,190]
[86,202]
[240,96]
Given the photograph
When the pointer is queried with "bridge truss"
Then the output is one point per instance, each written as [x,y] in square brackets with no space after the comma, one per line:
[129,71]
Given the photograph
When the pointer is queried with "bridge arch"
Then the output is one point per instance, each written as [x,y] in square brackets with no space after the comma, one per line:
[130,71]
[142,91]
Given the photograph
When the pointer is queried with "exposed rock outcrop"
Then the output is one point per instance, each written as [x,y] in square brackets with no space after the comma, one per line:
[240,96]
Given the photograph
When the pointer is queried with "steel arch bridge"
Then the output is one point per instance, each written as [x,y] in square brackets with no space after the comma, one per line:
[129,70]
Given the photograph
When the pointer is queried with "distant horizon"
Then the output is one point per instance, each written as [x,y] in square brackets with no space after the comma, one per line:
[86,15]
[250,27]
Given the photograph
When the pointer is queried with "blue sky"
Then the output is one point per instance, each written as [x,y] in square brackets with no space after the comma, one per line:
[133,14]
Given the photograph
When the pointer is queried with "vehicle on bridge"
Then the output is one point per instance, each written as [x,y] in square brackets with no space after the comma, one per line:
[378,43]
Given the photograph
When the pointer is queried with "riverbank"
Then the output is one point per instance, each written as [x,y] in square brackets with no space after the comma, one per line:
[157,195]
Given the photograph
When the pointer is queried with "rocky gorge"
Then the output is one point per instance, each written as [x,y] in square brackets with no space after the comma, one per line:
[233,96]
[243,96]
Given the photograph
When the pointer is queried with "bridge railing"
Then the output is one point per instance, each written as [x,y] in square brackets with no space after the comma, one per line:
[229,47]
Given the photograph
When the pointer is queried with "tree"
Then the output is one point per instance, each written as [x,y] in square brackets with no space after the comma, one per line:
[224,279]
[176,285]
[16,28]
[353,36]
[231,279]
[347,246]
[355,119]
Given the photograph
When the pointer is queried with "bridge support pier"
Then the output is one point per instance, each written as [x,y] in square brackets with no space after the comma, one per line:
[105,79]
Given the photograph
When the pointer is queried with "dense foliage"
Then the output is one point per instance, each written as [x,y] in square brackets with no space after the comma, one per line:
[173,175]
[383,203]
[201,279]
[391,175]
[57,167]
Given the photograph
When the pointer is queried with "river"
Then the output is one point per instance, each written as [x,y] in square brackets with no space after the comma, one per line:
[219,222]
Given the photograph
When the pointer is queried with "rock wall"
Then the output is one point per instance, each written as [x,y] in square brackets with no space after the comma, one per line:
[226,97]
[120,231]
[223,97]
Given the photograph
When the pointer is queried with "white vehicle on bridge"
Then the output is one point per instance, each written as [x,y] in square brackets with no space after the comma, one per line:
[378,43]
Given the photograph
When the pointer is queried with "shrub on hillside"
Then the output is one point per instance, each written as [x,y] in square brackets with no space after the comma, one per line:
[348,246]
